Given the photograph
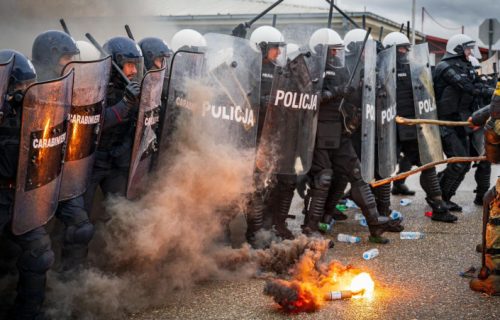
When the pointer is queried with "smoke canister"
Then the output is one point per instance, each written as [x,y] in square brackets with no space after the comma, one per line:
[370,254]
[338,295]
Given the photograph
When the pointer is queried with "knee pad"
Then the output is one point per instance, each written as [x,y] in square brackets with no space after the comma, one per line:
[355,174]
[430,183]
[79,234]
[323,179]
[37,256]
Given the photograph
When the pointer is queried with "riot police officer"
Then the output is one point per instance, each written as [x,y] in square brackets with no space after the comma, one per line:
[51,51]
[36,256]
[407,135]
[334,154]
[154,51]
[114,150]
[454,81]
[272,45]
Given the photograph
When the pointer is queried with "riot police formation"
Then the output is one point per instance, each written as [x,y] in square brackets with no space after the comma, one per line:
[272,45]
[408,142]
[334,154]
[20,221]
[456,86]
[114,150]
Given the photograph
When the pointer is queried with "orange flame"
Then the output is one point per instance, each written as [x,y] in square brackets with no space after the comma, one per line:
[313,283]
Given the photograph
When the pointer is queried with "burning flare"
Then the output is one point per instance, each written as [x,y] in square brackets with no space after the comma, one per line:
[313,283]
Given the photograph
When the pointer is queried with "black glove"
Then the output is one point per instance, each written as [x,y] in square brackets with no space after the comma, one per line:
[132,94]
[345,91]
[240,31]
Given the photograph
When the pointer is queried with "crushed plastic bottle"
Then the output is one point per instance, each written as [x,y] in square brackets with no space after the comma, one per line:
[363,223]
[411,235]
[325,227]
[404,202]
[348,238]
[370,254]
[350,204]
[358,216]
[341,207]
[395,215]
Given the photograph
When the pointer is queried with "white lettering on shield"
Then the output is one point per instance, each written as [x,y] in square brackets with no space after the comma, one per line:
[426,106]
[230,113]
[79,119]
[370,112]
[50,142]
[151,120]
[296,100]
[388,114]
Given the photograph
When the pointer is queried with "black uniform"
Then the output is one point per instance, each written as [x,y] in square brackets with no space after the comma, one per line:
[408,143]
[115,147]
[455,82]
[334,155]
[36,255]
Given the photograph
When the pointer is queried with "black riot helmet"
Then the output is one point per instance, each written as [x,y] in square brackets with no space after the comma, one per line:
[123,51]
[23,73]
[48,49]
[153,48]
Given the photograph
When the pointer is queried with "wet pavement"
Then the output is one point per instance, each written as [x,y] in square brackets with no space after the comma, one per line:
[415,279]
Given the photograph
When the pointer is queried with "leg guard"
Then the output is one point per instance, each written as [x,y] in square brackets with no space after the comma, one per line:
[319,194]
[430,183]
[489,277]
[363,197]
[36,259]
[482,177]
[335,193]
[255,215]
[383,198]
[280,200]
[451,178]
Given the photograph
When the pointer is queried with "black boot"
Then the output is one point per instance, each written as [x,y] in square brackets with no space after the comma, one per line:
[279,202]
[440,211]
[316,211]
[383,198]
[400,188]
[335,193]
[255,217]
[363,197]
[449,181]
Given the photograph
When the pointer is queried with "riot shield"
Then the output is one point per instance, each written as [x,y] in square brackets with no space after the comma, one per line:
[85,119]
[368,123]
[146,132]
[230,111]
[490,66]
[41,152]
[288,134]
[186,67]
[386,112]
[5,69]
[429,139]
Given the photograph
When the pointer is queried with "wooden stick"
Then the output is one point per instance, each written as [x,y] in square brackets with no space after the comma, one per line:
[403,175]
[412,122]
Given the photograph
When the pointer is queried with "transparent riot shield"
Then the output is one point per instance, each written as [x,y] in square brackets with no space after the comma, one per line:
[429,139]
[289,130]
[368,124]
[230,112]
[5,69]
[386,112]
[41,152]
[490,66]
[146,132]
[186,69]
[85,120]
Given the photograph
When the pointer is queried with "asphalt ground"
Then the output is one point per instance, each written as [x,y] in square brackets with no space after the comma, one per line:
[415,279]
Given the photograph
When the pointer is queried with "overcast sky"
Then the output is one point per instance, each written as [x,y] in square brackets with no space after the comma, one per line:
[450,13]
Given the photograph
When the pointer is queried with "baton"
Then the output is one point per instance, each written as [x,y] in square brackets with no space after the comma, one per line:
[64,26]
[330,15]
[342,13]
[129,32]
[103,52]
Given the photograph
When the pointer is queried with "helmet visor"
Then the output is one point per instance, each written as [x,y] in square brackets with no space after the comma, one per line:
[276,53]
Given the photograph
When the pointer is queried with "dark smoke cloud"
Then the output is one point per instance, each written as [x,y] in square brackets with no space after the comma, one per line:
[167,240]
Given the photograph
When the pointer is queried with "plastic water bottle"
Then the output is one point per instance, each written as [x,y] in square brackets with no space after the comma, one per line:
[358,216]
[325,227]
[350,204]
[348,238]
[395,215]
[370,254]
[410,235]
[363,222]
[404,202]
